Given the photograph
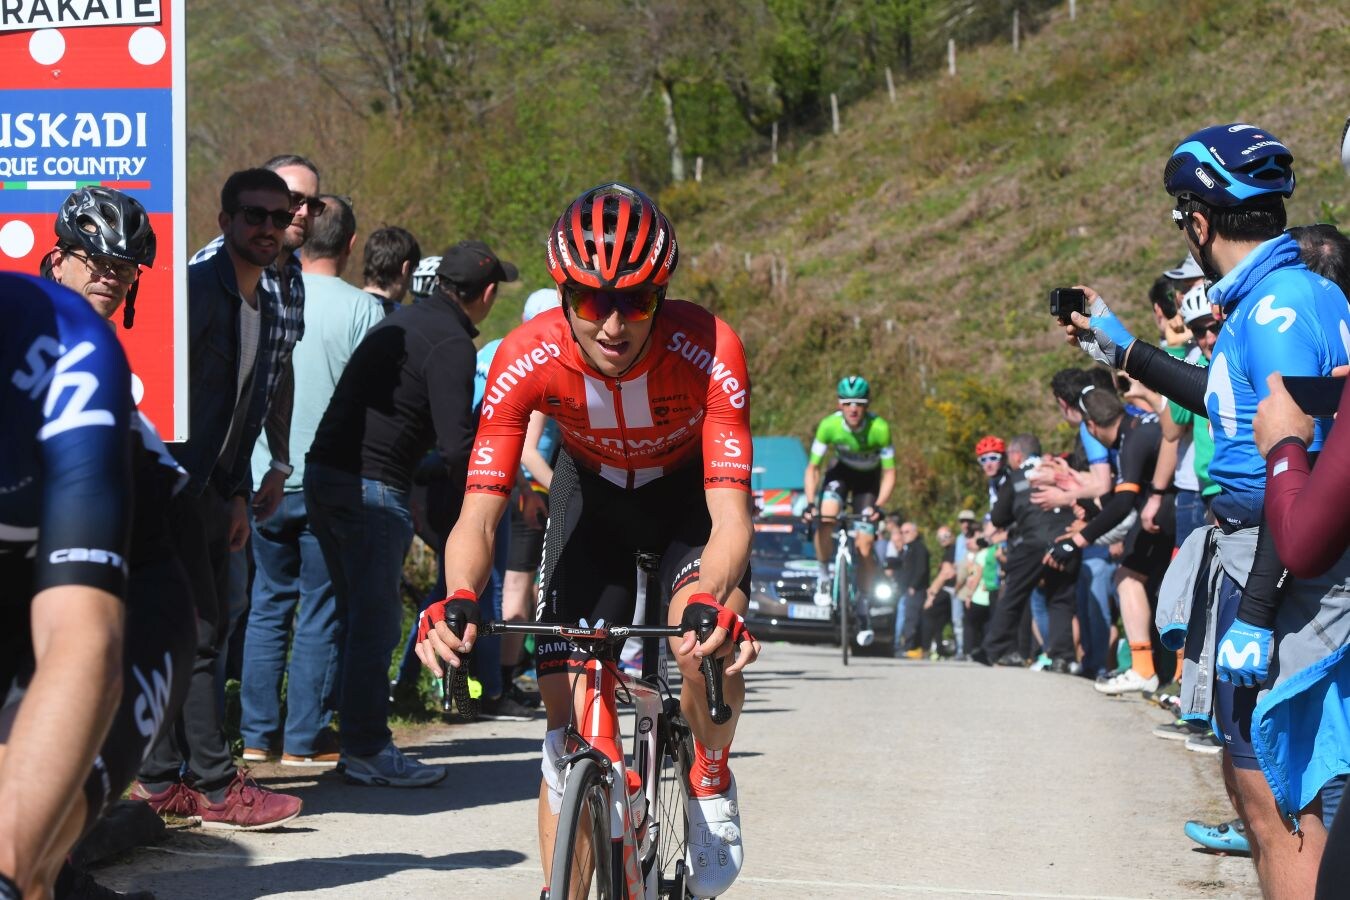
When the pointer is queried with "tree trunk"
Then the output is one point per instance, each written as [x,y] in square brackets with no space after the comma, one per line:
[672,130]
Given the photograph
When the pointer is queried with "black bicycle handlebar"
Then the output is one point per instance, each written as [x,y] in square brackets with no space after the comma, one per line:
[703,619]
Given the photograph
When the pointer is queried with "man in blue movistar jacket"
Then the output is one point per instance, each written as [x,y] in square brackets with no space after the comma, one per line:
[1280,744]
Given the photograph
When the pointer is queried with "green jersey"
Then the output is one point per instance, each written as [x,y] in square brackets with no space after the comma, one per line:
[865,449]
[1204,441]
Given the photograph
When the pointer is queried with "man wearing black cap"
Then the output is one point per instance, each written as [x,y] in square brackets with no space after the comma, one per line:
[408,387]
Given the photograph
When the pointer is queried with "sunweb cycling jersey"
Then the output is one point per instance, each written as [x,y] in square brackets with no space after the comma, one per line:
[65,463]
[687,399]
[866,449]
[1279,317]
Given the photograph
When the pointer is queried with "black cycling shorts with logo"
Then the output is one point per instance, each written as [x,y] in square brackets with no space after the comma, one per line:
[853,487]
[157,658]
[596,531]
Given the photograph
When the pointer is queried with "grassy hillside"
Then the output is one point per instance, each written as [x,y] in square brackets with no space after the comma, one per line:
[917,247]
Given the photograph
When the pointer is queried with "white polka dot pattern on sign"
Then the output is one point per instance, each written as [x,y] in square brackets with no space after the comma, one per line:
[16,239]
[146,46]
[47,46]
[137,389]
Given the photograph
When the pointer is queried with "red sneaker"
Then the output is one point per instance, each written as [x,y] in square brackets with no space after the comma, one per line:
[247,807]
[177,801]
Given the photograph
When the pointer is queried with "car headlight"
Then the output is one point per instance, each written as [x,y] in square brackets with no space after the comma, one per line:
[883,590]
[766,588]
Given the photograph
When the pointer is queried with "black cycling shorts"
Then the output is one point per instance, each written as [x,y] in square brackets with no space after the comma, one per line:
[157,659]
[596,532]
[527,543]
[856,489]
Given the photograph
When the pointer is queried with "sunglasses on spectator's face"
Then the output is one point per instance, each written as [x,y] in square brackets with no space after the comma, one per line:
[1213,328]
[596,304]
[990,458]
[103,266]
[256,215]
[315,205]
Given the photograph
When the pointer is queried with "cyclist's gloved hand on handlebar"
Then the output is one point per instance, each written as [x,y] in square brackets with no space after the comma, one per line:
[704,607]
[809,514]
[870,514]
[436,638]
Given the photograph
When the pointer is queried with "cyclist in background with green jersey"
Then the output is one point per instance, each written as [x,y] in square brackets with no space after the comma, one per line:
[863,474]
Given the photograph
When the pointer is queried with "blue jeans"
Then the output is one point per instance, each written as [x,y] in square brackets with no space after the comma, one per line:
[364,529]
[291,592]
[1190,514]
[1040,612]
[1094,610]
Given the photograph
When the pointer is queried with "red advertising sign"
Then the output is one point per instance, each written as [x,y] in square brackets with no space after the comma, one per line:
[93,93]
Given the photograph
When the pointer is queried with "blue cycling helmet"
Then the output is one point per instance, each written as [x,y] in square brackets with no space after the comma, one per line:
[1227,165]
[854,387]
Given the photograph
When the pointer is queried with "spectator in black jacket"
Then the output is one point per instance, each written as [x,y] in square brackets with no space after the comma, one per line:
[1031,532]
[911,578]
[407,388]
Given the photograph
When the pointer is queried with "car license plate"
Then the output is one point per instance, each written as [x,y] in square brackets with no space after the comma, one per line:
[808,611]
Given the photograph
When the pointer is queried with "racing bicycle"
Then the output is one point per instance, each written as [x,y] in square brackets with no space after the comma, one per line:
[622,827]
[844,591]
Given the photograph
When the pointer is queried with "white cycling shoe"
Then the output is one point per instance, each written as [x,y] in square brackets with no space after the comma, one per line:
[714,854]
[865,637]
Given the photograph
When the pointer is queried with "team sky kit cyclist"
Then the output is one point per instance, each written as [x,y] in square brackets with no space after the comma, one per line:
[1229,182]
[863,475]
[652,399]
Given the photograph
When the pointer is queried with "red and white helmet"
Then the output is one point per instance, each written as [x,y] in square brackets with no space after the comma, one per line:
[612,237]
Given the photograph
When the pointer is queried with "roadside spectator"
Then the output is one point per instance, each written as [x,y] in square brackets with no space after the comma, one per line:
[940,602]
[237,333]
[1326,251]
[392,256]
[989,451]
[408,386]
[911,577]
[293,602]
[981,582]
[424,277]
[1034,531]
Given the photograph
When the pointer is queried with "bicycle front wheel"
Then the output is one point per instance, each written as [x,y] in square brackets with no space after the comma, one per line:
[843,600]
[672,803]
[582,852]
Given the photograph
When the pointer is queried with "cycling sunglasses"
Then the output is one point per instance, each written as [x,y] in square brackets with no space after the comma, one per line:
[316,206]
[851,402]
[596,304]
[256,215]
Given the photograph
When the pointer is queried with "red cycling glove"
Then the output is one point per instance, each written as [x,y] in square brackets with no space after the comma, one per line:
[461,606]
[734,624]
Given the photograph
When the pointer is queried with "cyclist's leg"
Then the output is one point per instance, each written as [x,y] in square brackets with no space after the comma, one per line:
[832,498]
[864,538]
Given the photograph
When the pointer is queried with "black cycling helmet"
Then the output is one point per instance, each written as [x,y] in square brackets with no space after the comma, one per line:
[106,222]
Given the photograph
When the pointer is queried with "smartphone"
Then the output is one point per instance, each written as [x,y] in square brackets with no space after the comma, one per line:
[1316,395]
[1067,300]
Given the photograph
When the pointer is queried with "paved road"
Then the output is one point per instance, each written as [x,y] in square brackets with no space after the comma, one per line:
[885,779]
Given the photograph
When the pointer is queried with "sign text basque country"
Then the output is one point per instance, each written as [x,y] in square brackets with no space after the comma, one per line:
[27,15]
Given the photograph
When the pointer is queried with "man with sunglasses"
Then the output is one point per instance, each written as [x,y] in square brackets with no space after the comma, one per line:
[235,332]
[863,475]
[407,389]
[1230,182]
[652,400]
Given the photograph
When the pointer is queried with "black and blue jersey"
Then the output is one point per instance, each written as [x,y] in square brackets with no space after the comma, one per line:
[65,462]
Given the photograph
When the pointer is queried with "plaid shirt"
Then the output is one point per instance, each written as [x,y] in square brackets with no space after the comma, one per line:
[287,302]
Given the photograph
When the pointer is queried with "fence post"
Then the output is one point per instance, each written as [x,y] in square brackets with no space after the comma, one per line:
[1015,37]
[951,56]
[774,144]
[698,168]
[747,261]
[890,84]
[1073,10]
[834,111]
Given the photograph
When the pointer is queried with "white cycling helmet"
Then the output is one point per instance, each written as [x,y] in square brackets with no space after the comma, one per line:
[1195,305]
[539,301]
[424,276]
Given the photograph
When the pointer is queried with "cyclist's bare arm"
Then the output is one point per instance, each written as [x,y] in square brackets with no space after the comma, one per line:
[49,747]
[721,566]
[886,488]
[468,564]
[530,456]
[811,481]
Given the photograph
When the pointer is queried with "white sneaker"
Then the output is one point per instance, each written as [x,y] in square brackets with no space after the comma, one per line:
[865,637]
[714,854]
[1126,682]
[390,768]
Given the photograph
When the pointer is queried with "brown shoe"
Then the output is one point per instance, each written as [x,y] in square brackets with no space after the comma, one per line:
[325,754]
[247,807]
[258,754]
[177,801]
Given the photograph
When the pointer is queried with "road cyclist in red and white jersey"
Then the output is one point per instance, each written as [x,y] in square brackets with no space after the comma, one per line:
[652,399]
